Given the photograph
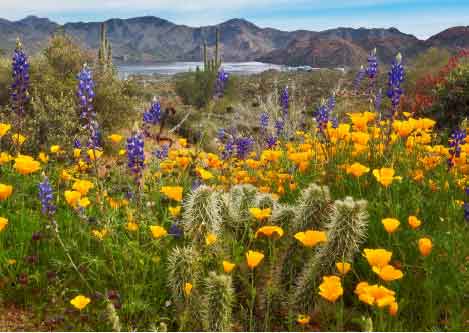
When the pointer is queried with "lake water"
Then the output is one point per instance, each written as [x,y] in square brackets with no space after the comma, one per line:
[171,68]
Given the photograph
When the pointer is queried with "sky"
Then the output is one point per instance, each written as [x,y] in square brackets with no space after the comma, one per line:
[423,18]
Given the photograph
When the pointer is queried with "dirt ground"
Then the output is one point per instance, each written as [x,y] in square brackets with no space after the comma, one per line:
[14,319]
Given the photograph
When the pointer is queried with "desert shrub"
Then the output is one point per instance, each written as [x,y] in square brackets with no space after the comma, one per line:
[451,105]
[51,114]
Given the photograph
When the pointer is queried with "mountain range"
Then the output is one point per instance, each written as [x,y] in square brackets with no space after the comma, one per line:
[151,39]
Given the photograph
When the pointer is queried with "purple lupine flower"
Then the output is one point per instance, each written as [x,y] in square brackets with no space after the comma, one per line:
[285,102]
[264,120]
[220,83]
[175,231]
[162,153]
[229,148]
[76,144]
[279,126]
[46,197]
[335,122]
[136,155]
[221,134]
[372,68]
[396,77]
[271,141]
[153,115]
[20,85]
[359,78]
[457,138]
[243,147]
[86,95]
[322,117]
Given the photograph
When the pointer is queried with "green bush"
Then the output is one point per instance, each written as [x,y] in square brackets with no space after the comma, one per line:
[52,113]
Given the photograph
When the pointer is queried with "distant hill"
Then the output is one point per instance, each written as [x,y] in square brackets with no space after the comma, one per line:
[151,39]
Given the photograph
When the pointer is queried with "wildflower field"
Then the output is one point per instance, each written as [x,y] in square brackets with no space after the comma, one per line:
[352,220]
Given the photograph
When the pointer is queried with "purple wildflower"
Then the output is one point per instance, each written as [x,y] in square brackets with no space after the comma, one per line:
[243,147]
[175,231]
[220,84]
[322,117]
[285,102]
[86,94]
[153,115]
[264,120]
[372,68]
[359,78]
[271,142]
[456,140]
[162,153]
[396,77]
[19,87]
[279,126]
[46,197]
[136,155]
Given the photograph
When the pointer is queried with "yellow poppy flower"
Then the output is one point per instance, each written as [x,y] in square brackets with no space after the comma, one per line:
[414,222]
[72,198]
[43,157]
[425,246]
[187,288]
[84,202]
[270,231]
[77,153]
[158,231]
[310,238]
[385,176]
[4,128]
[80,302]
[390,225]
[204,174]
[5,158]
[343,267]
[55,149]
[210,239]
[115,138]
[172,192]
[357,169]
[131,226]
[303,319]
[26,165]
[388,273]
[331,288]
[94,154]
[18,139]
[228,266]
[82,186]
[254,258]
[5,191]
[100,234]
[3,223]
[393,308]
[260,214]
[377,257]
[175,211]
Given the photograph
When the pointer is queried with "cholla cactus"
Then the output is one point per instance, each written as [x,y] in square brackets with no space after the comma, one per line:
[183,267]
[346,231]
[217,303]
[312,208]
[236,206]
[202,214]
